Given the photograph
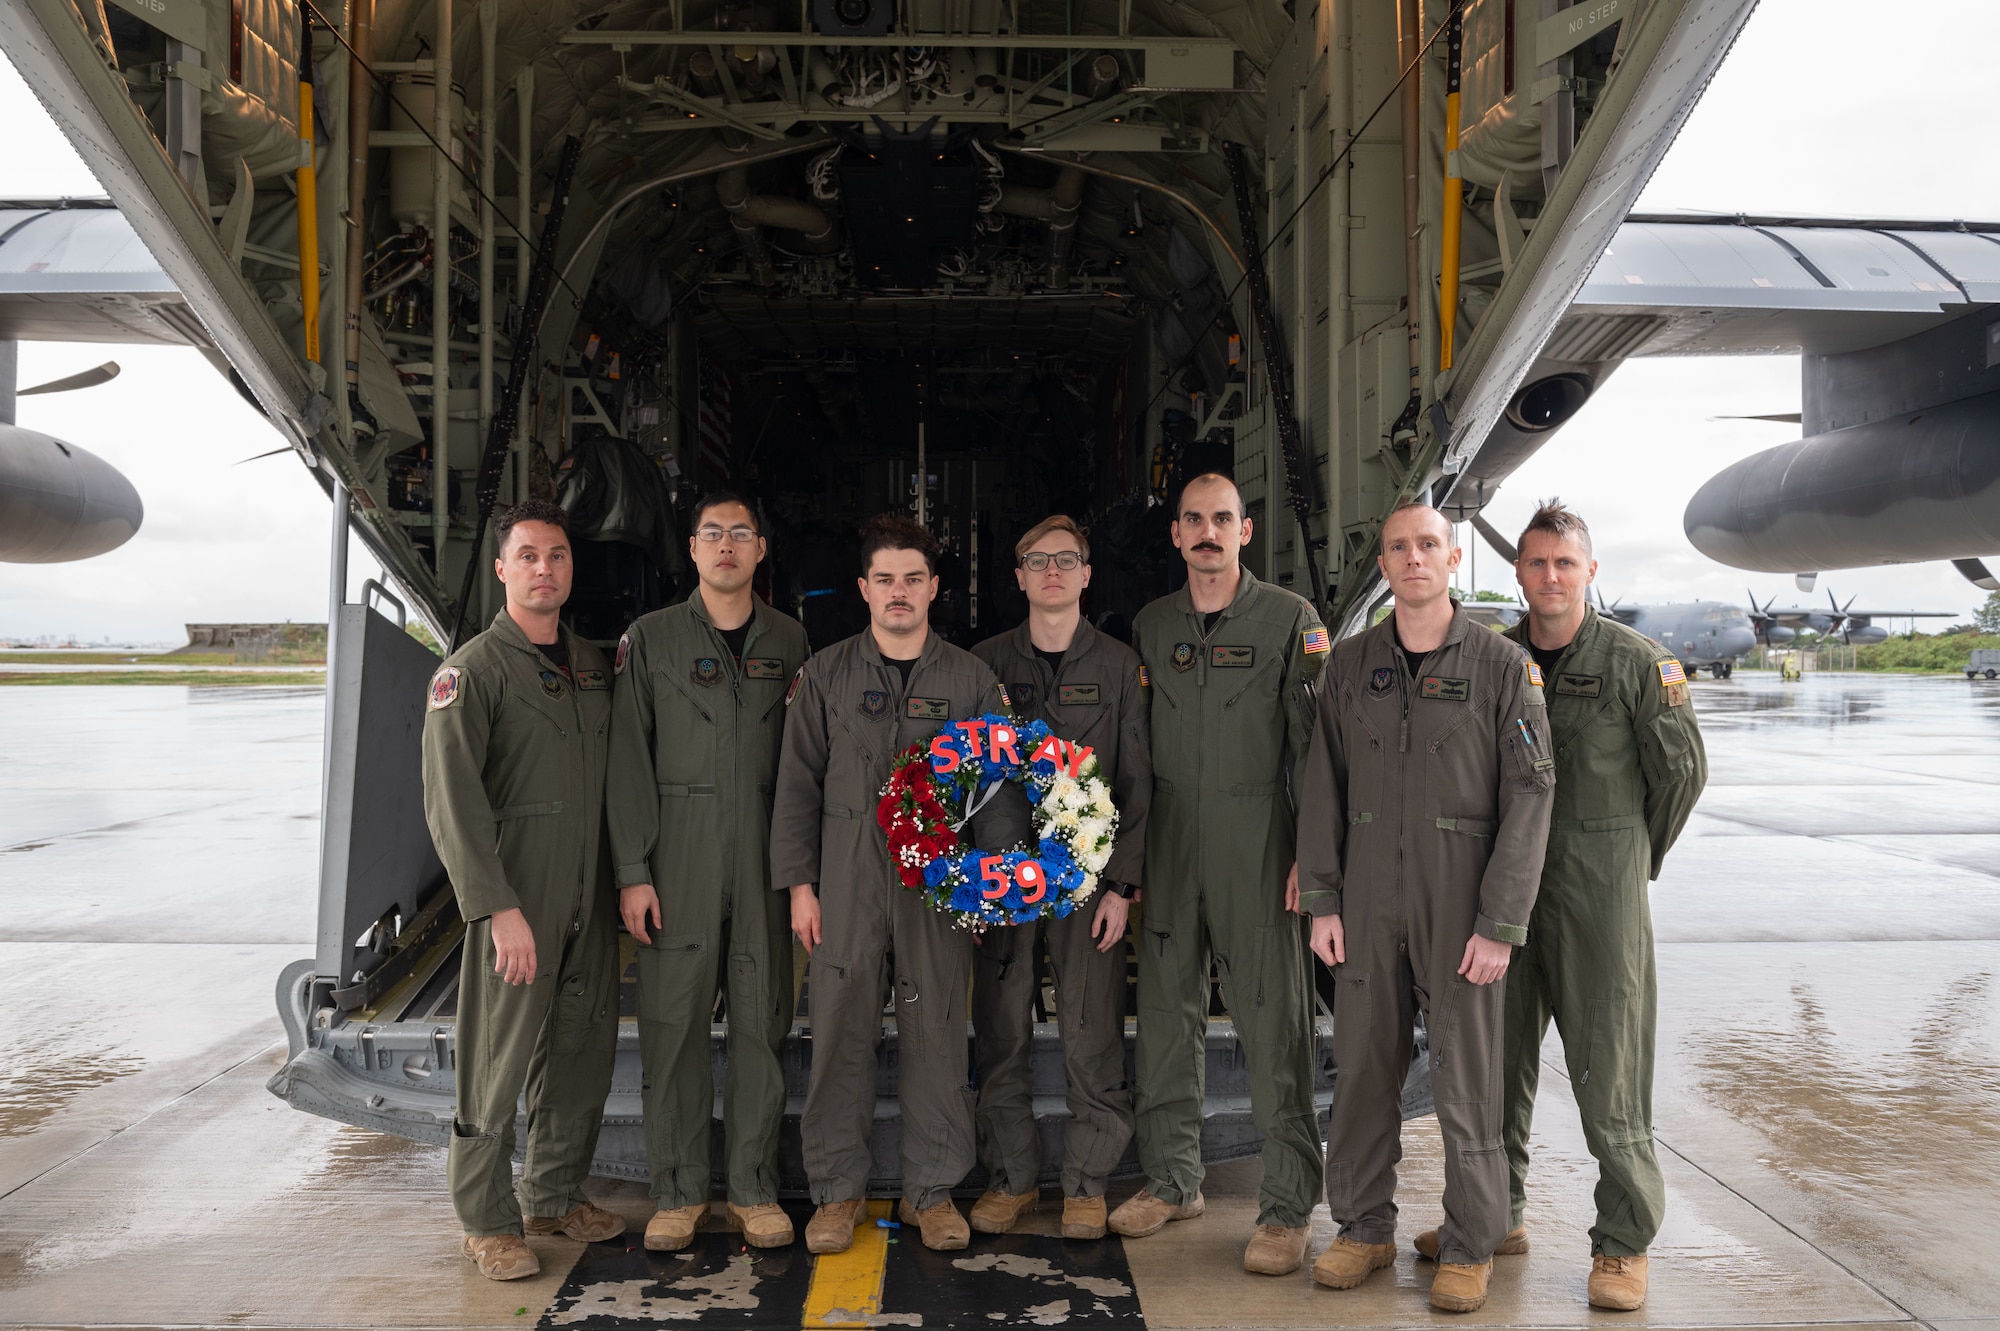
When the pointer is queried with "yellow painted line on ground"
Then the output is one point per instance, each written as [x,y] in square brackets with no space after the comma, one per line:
[847,1286]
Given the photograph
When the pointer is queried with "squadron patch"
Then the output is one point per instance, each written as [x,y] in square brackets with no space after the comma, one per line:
[444,686]
[1077,695]
[928,709]
[624,653]
[706,671]
[874,704]
[1382,680]
[552,684]
[1183,657]
[1315,640]
[591,679]
[764,667]
[1579,686]
[1232,656]
[792,690]
[1445,690]
[1023,695]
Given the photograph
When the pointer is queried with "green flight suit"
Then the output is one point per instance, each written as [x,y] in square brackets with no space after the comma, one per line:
[1423,820]
[514,795]
[694,755]
[847,719]
[1094,699]
[1630,766]
[1231,713]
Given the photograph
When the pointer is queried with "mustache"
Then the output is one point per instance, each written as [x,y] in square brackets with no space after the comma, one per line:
[1208,545]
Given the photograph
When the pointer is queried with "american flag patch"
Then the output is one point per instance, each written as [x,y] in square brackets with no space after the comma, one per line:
[1145,681]
[1315,640]
[1671,673]
[1534,674]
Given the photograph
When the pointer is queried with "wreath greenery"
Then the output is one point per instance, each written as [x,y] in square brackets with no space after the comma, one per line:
[934,789]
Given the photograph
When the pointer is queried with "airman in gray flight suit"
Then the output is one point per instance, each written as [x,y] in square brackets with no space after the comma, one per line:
[850,713]
[1092,696]
[1629,767]
[697,718]
[1231,662]
[1422,824]
[514,751]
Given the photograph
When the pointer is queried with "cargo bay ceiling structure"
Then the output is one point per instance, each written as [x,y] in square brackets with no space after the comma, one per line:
[978,259]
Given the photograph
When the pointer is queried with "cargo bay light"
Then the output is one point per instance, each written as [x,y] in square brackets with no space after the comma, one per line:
[982,264]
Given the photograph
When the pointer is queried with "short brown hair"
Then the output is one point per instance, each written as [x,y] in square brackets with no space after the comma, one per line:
[1560,522]
[528,510]
[893,531]
[1061,522]
[1432,509]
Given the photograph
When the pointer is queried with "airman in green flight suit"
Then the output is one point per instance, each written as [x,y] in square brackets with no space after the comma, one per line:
[698,715]
[1629,767]
[514,752]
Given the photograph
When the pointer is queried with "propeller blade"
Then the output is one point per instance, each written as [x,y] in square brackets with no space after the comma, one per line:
[254,456]
[1782,417]
[102,374]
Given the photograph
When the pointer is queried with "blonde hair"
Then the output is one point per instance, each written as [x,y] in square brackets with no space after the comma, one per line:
[1059,522]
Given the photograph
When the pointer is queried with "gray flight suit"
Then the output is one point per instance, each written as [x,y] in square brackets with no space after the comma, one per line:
[847,719]
[1231,713]
[1629,767]
[694,756]
[1094,699]
[1423,820]
[514,794]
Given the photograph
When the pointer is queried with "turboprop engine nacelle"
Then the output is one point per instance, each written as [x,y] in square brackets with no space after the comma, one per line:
[59,502]
[1915,486]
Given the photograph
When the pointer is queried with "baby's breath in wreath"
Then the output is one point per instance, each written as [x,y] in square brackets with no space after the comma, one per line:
[934,789]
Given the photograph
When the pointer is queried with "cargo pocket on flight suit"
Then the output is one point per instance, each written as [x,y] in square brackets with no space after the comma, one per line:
[1272,1001]
[1607,1085]
[670,973]
[572,1025]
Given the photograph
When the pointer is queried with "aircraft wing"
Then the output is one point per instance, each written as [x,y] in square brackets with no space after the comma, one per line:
[73,270]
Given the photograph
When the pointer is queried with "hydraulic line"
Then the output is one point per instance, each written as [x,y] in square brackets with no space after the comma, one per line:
[1454,190]
[308,202]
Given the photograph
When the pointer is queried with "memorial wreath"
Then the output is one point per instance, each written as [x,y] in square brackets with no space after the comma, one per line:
[934,790]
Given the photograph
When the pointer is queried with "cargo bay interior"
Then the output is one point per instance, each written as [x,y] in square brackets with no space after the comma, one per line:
[977,260]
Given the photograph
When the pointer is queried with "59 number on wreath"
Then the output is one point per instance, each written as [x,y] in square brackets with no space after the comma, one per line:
[1028,873]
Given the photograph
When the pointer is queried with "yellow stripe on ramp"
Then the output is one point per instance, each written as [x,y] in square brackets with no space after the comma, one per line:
[847,1286]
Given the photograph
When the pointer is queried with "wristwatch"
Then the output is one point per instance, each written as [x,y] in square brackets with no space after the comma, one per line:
[1121,889]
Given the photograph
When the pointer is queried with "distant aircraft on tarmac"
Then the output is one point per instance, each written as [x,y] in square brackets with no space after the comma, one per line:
[1777,627]
[1703,634]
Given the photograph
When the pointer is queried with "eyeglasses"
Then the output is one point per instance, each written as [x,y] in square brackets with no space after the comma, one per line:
[1039,560]
[738,535]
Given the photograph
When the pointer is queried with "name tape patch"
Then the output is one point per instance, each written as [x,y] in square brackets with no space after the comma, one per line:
[1226,657]
[591,679]
[1445,690]
[1077,695]
[1579,686]
[764,667]
[928,709]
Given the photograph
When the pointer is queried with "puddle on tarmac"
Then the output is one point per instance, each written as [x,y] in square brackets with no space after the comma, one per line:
[38,1081]
[1878,1140]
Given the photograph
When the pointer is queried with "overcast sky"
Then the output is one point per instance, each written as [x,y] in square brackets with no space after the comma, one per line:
[1825,107]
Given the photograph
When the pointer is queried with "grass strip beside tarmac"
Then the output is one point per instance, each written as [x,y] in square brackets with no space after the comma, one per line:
[189,678]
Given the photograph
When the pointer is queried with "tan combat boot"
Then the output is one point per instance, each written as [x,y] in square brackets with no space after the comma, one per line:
[1513,1245]
[585,1224]
[995,1212]
[940,1226]
[1083,1218]
[1459,1288]
[831,1228]
[672,1229]
[764,1225]
[1348,1262]
[1275,1250]
[1142,1213]
[502,1256]
[1617,1283]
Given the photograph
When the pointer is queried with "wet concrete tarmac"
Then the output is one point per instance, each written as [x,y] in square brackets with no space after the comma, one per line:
[1828,1105]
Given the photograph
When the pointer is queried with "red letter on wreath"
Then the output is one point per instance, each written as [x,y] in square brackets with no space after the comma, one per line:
[944,758]
[993,869]
[1051,749]
[972,729]
[1078,753]
[1000,741]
